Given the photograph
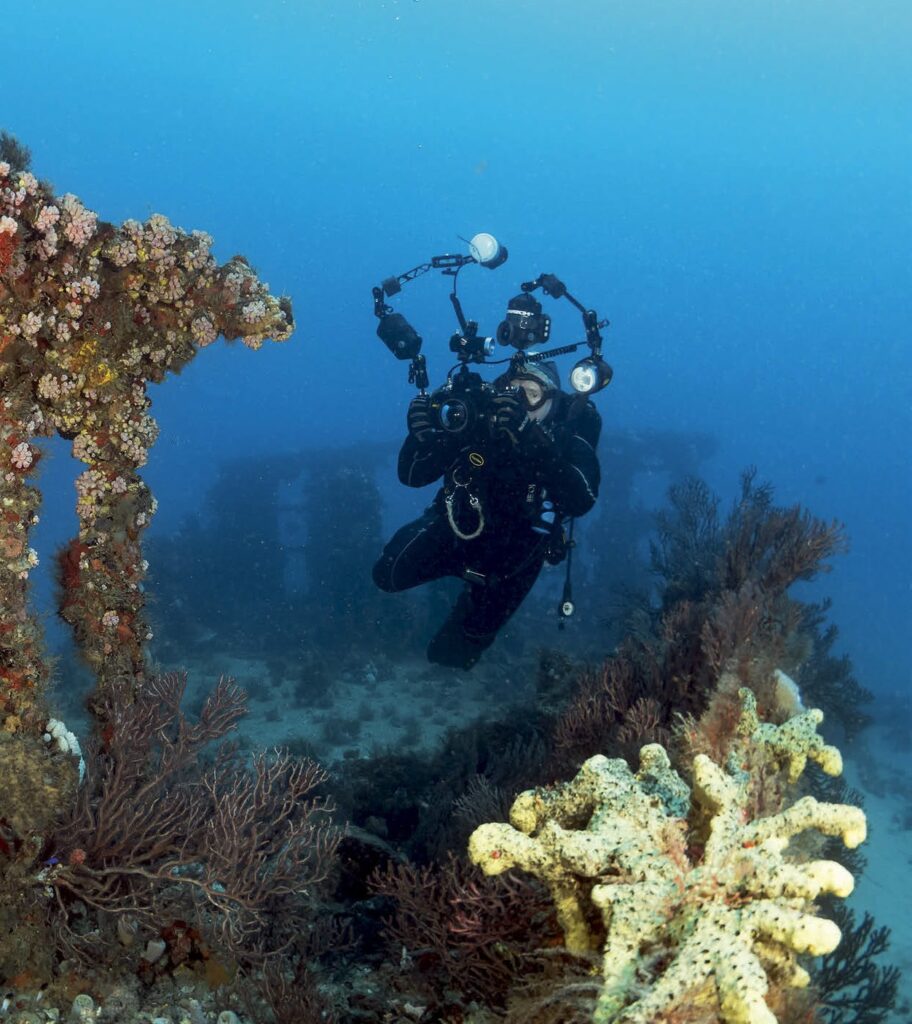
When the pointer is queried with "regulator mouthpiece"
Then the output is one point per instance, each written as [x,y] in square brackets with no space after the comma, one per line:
[487,251]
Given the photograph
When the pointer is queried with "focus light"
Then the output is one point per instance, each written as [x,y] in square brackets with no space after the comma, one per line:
[590,375]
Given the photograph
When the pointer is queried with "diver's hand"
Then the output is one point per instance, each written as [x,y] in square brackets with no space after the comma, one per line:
[420,419]
[510,417]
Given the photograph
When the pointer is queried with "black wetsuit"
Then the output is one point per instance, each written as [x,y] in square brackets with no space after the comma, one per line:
[484,524]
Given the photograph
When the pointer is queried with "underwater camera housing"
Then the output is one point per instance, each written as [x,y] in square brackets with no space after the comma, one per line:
[461,405]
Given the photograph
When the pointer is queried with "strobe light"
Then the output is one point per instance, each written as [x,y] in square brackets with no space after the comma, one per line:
[487,251]
[590,375]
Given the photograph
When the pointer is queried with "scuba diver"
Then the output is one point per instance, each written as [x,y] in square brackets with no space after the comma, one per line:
[510,454]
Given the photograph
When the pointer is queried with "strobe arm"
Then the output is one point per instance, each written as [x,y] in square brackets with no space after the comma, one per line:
[398,334]
[449,263]
[418,373]
[394,330]
[593,329]
[553,286]
[381,309]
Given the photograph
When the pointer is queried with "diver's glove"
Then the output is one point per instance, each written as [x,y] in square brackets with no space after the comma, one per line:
[420,419]
[510,417]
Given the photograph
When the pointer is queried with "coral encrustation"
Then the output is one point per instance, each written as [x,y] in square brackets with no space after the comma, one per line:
[90,313]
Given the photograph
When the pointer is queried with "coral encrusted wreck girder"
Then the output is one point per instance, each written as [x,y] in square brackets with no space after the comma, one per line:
[90,313]
[725,919]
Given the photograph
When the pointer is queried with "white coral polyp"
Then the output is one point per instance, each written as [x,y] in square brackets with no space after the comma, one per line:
[253,311]
[22,456]
[203,331]
[28,183]
[30,324]
[47,218]
[79,223]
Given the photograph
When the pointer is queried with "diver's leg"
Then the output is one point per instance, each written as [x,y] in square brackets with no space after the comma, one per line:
[493,604]
[417,553]
[478,615]
[450,646]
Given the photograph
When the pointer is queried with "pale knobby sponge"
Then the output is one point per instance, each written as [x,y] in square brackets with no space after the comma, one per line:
[721,919]
[795,742]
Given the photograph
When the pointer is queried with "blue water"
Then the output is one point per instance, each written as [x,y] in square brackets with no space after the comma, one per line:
[728,183]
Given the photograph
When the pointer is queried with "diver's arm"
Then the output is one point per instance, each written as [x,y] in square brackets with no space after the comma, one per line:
[569,471]
[427,450]
[421,463]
